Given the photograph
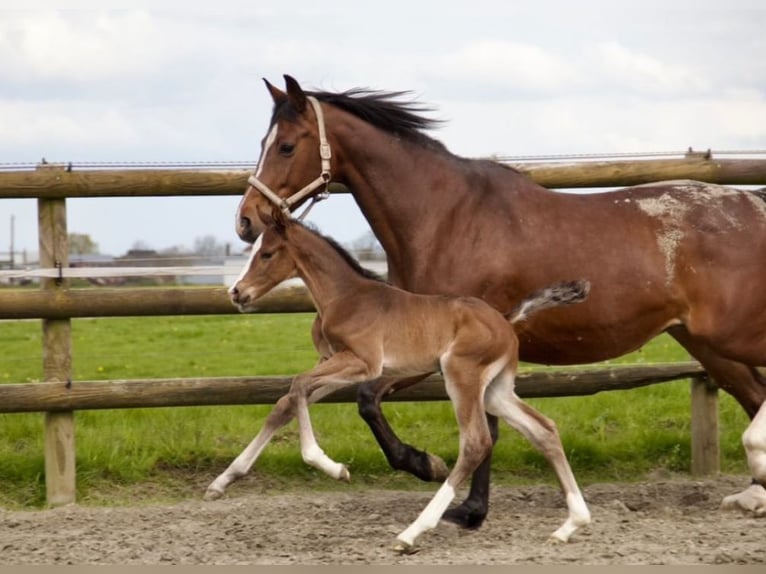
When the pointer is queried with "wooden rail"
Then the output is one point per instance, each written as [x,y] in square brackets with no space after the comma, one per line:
[136,393]
[57,182]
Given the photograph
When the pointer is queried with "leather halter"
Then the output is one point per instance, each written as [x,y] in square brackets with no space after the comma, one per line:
[323,180]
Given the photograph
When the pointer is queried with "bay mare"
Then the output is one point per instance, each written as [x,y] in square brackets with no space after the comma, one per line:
[368,327]
[682,257]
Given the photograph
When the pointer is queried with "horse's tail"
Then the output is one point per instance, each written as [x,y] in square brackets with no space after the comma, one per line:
[564,293]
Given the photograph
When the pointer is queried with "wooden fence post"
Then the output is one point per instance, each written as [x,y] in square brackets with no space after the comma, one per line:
[57,357]
[704,427]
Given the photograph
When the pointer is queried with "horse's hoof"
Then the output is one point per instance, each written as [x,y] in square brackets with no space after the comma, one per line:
[465,516]
[213,494]
[439,469]
[344,475]
[752,501]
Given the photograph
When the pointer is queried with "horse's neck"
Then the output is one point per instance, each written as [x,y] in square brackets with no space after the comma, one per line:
[324,271]
[390,187]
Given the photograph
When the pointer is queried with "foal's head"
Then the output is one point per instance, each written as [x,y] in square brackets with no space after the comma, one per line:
[270,263]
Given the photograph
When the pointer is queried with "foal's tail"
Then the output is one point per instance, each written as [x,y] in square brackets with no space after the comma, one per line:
[564,293]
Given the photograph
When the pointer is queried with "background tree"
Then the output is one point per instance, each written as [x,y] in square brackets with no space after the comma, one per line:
[81,244]
[208,245]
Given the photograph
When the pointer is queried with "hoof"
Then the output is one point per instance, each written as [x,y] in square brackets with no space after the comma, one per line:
[554,540]
[213,494]
[467,515]
[751,501]
[439,469]
[344,475]
[404,548]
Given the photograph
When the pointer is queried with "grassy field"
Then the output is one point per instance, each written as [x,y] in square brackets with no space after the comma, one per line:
[125,456]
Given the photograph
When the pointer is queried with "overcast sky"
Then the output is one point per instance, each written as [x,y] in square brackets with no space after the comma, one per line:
[181,81]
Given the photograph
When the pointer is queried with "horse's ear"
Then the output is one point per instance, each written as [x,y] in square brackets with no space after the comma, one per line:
[277,95]
[295,94]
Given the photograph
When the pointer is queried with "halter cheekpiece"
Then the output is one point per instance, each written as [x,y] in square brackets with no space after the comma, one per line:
[325,154]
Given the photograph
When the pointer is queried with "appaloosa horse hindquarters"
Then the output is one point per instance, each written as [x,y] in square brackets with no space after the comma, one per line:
[683,257]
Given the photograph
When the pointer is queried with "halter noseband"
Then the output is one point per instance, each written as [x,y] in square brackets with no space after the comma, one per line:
[323,180]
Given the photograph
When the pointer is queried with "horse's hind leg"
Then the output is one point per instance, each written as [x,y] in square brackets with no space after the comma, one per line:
[748,386]
[502,401]
[400,456]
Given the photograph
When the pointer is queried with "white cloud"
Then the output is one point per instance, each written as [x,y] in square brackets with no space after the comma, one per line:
[644,74]
[74,47]
[506,67]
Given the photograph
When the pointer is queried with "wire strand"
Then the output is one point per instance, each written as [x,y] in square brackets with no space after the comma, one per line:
[250,165]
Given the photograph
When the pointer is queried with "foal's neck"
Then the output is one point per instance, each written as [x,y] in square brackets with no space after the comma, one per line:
[327,275]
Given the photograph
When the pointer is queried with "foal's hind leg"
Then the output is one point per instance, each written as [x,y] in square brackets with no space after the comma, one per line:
[426,466]
[465,388]
[502,401]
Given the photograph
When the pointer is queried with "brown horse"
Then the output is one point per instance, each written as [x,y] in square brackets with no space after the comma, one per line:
[681,257]
[369,327]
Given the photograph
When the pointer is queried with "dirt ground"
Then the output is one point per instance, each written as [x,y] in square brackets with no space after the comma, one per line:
[658,522]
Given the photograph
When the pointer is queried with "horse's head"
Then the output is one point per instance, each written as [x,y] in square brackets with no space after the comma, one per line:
[295,160]
[269,264]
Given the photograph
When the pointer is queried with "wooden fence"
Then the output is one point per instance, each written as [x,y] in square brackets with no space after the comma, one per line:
[56,304]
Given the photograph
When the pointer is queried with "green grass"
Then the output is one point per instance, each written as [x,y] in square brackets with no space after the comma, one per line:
[125,456]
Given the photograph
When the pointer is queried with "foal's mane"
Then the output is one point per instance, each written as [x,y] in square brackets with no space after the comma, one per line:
[347,257]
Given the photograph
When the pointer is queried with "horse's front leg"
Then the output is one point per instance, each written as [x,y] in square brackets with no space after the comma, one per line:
[753,499]
[400,456]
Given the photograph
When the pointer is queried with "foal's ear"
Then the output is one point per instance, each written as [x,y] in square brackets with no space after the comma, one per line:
[295,94]
[280,219]
[277,95]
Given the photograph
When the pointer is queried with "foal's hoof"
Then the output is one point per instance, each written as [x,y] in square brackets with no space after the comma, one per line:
[213,494]
[555,539]
[401,547]
[344,475]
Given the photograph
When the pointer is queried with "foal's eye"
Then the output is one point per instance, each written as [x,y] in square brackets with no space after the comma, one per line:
[286,149]
[266,255]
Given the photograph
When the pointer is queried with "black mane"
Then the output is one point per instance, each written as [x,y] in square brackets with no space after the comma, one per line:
[385,110]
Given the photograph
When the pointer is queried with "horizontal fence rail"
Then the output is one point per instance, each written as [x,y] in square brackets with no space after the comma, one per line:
[149,301]
[56,182]
[88,395]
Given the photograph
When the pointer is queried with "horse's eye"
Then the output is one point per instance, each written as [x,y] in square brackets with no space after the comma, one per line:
[266,255]
[286,149]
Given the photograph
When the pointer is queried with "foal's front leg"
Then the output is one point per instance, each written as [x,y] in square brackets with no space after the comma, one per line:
[338,371]
[282,413]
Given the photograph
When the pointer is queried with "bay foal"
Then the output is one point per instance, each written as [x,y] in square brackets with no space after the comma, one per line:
[366,328]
